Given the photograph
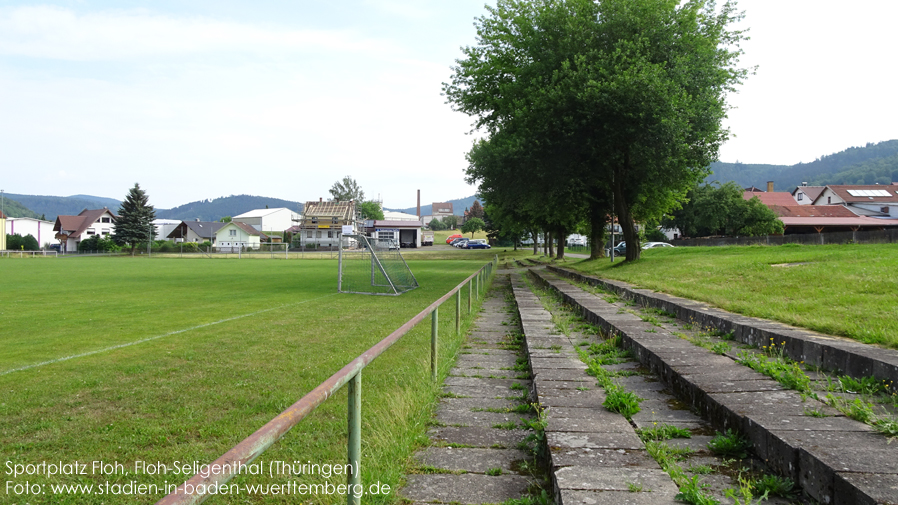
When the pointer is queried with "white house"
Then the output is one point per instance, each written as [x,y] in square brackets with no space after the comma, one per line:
[269,219]
[234,236]
[40,230]
[195,231]
[71,230]
[864,200]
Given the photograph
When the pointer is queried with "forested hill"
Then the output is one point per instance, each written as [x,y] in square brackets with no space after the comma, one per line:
[871,164]
[52,206]
[12,208]
[458,206]
[213,210]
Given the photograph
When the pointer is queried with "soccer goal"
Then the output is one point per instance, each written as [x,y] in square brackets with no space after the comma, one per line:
[373,266]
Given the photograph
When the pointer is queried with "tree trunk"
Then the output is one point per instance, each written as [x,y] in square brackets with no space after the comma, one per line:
[597,220]
[625,219]
[560,232]
[550,244]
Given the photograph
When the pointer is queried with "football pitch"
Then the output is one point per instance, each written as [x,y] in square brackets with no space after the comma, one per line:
[152,364]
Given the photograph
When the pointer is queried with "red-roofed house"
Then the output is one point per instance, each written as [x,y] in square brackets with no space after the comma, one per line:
[820,218]
[71,230]
[865,200]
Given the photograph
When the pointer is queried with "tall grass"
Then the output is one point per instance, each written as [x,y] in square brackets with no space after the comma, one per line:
[845,290]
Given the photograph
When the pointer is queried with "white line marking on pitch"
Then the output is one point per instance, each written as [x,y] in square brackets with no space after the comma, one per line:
[119,346]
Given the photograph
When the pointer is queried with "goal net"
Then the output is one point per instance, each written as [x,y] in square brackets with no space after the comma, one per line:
[373,266]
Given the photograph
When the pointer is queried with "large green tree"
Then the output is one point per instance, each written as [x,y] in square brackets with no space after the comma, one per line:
[719,209]
[597,101]
[347,189]
[134,223]
[472,226]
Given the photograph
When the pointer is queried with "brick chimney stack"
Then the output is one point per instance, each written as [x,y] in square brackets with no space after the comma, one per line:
[770,186]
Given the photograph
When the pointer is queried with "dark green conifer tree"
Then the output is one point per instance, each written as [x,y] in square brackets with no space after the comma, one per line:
[135,220]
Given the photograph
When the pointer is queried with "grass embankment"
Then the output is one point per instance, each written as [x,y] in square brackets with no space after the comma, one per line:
[239,341]
[846,290]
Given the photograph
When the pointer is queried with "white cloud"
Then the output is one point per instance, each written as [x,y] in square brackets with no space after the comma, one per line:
[57,33]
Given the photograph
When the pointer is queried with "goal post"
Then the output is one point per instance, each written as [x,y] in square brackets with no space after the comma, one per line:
[372,266]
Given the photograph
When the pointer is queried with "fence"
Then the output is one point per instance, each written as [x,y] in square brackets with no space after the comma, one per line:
[889,235]
[22,254]
[254,445]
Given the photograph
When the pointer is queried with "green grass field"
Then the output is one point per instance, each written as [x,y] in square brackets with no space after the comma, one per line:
[847,290]
[210,351]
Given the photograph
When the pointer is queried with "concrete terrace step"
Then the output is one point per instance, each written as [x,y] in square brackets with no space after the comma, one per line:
[834,459]
[476,458]
[831,353]
[595,456]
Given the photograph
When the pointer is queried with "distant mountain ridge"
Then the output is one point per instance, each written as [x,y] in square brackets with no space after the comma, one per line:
[12,208]
[213,210]
[458,206]
[52,206]
[870,164]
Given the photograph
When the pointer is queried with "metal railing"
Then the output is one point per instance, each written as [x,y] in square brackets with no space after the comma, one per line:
[200,486]
[11,253]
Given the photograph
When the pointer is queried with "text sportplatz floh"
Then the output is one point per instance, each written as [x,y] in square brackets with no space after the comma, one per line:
[181,471]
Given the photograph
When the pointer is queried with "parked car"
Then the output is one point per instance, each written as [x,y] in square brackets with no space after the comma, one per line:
[452,237]
[456,240]
[460,243]
[655,245]
[476,245]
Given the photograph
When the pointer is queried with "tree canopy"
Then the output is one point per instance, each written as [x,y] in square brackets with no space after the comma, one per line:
[346,190]
[135,220]
[472,226]
[370,210]
[584,103]
[719,209]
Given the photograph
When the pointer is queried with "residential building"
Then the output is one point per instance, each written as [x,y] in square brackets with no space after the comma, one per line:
[71,230]
[322,222]
[269,220]
[805,195]
[195,231]
[235,236]
[875,200]
[42,231]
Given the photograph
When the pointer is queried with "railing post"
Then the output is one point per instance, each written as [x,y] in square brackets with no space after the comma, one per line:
[354,478]
[458,312]
[469,295]
[434,326]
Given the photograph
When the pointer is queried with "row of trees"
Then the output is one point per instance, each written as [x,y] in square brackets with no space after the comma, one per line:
[591,109]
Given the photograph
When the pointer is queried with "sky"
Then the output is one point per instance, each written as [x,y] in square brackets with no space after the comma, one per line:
[198,99]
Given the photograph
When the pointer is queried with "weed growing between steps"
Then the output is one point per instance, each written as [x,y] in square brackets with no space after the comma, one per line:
[750,481]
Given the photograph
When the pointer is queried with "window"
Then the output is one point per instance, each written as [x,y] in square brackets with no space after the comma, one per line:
[318,234]
[232,233]
[884,210]
[308,234]
[330,234]
[105,220]
[800,196]
[91,232]
[829,199]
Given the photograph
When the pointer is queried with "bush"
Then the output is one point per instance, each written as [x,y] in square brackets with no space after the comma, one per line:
[14,242]
[190,247]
